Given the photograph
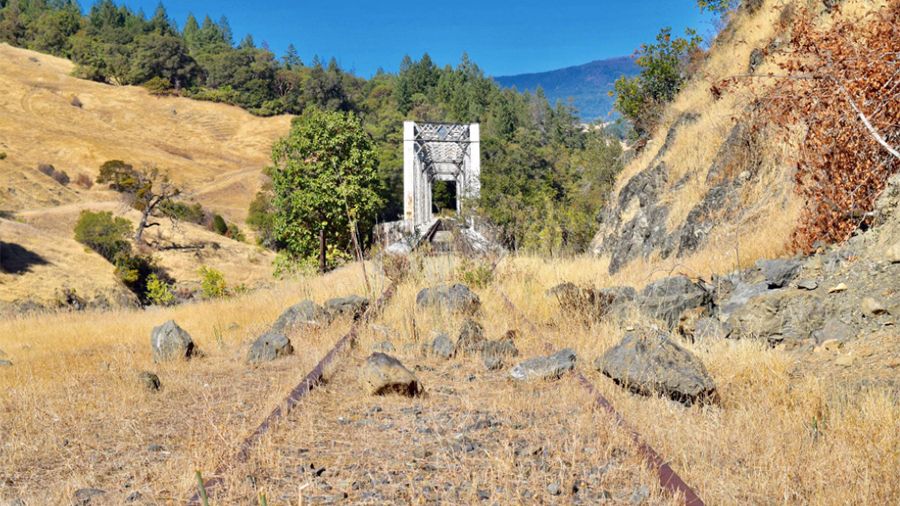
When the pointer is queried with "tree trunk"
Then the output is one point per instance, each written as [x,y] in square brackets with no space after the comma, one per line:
[322,265]
[145,215]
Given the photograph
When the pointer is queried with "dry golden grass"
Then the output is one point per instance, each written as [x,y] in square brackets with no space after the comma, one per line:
[75,415]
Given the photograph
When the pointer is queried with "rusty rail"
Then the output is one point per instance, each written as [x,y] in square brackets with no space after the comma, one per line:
[309,382]
[668,478]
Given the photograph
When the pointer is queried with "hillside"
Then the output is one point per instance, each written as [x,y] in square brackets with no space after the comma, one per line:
[587,85]
[215,151]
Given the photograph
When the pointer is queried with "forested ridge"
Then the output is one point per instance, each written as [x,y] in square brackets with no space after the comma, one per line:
[544,178]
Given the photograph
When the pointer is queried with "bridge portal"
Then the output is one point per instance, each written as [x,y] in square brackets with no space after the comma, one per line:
[438,152]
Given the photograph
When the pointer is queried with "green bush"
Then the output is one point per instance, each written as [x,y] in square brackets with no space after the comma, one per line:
[193,213]
[159,86]
[235,233]
[2,155]
[218,225]
[104,233]
[159,292]
[212,283]
[473,273]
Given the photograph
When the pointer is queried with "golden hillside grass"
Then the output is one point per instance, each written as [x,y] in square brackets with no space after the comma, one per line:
[215,151]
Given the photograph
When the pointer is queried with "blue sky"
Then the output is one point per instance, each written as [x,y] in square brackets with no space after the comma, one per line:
[503,37]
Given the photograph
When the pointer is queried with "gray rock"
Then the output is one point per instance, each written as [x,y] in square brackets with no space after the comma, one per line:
[169,342]
[384,347]
[352,306]
[149,380]
[306,312]
[639,495]
[779,315]
[711,328]
[757,57]
[779,272]
[554,488]
[5,363]
[398,248]
[268,347]
[133,497]
[654,363]
[834,329]
[85,496]
[471,337]
[493,353]
[550,367]
[16,502]
[807,284]
[668,298]
[457,298]
[383,374]
[740,296]
[443,347]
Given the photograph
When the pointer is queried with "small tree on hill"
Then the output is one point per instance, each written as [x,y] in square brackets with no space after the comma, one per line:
[663,72]
[325,181]
[146,189]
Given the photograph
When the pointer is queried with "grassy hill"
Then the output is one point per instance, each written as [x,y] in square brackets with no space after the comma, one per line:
[49,117]
[587,85]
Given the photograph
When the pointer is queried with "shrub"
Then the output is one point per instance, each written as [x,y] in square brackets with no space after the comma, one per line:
[474,273]
[235,233]
[2,155]
[261,219]
[159,86]
[103,233]
[218,225]
[135,271]
[212,283]
[84,181]
[59,176]
[159,292]
[192,213]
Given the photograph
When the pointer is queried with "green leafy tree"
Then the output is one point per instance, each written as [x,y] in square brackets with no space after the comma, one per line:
[325,183]
[663,72]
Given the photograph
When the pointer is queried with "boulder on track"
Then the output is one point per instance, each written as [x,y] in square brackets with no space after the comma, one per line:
[352,306]
[668,298]
[550,367]
[471,337]
[306,312]
[443,347]
[457,298]
[169,342]
[383,374]
[493,353]
[268,347]
[654,363]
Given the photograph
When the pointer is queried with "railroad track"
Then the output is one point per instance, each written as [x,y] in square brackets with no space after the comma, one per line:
[668,479]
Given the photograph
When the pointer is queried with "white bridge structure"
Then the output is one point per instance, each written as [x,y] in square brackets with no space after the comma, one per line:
[438,152]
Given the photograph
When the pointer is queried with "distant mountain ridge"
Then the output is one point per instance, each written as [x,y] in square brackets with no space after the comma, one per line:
[587,85]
